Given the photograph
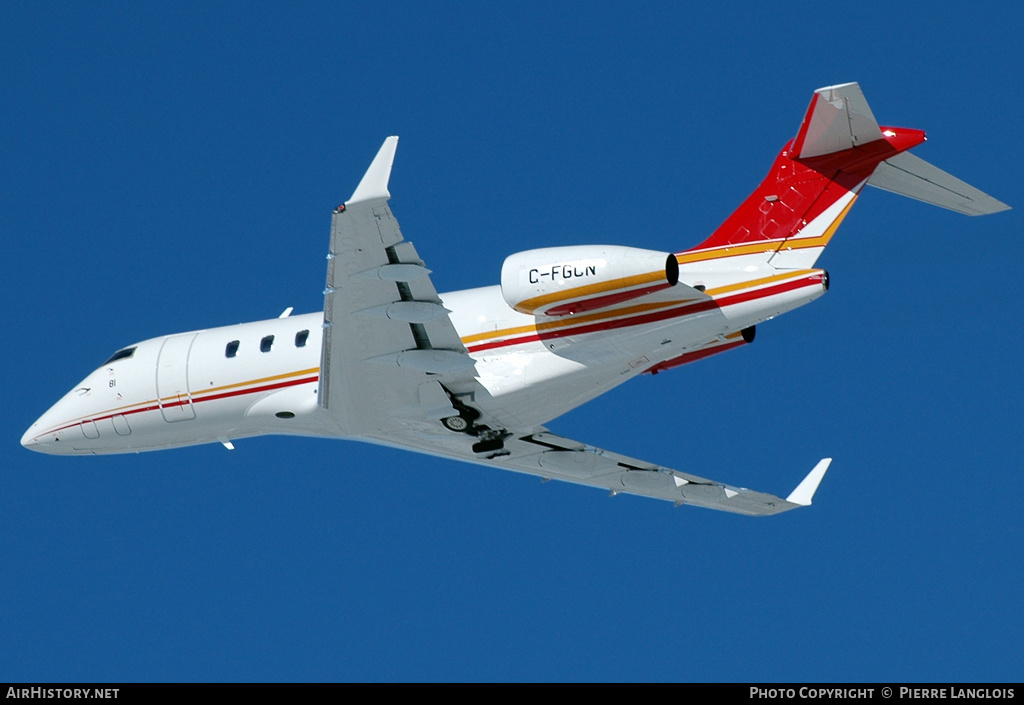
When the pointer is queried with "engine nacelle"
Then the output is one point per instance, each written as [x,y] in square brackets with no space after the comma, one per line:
[560,281]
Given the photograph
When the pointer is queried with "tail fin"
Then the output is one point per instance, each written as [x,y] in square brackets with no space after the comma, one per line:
[790,218]
[837,119]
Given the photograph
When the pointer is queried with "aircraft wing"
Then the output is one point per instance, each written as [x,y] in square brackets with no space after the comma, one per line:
[388,340]
[557,458]
[389,346]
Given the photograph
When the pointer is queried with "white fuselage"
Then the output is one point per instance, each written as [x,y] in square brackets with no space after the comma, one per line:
[260,378]
[474,375]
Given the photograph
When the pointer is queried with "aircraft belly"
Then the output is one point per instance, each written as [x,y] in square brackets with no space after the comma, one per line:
[536,383]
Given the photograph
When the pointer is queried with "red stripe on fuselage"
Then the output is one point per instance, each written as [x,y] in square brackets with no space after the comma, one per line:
[685,310]
[694,356]
[156,407]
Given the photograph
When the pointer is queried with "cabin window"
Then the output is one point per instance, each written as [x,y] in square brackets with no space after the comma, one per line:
[232,349]
[267,343]
[121,355]
[300,338]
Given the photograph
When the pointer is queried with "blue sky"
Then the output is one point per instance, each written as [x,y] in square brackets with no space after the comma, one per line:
[167,169]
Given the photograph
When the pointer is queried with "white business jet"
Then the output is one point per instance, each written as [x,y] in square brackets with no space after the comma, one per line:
[474,375]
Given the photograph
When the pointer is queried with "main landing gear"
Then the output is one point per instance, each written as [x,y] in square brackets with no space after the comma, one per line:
[459,424]
[490,440]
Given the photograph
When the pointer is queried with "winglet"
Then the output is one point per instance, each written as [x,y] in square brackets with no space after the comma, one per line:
[805,490]
[374,184]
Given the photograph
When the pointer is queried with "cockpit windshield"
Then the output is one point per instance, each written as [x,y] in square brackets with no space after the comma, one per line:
[121,355]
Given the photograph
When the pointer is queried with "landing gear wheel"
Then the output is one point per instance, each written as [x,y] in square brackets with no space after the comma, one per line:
[456,423]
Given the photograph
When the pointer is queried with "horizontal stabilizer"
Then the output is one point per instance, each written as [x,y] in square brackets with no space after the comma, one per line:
[838,118]
[911,176]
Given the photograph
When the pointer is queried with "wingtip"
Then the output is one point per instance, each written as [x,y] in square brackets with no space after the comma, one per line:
[374,184]
[804,492]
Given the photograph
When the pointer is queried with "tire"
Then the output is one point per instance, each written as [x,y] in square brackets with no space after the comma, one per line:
[456,423]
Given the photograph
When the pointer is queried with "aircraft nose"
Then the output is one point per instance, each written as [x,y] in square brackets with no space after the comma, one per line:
[29,439]
[42,436]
